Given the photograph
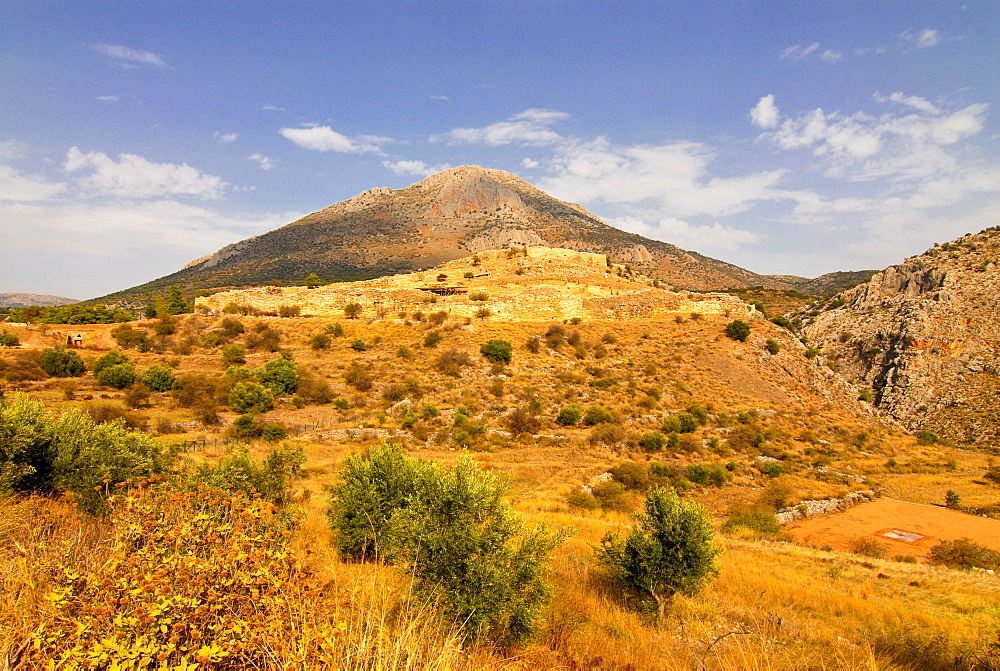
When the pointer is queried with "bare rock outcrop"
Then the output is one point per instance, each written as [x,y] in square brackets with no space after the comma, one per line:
[923,338]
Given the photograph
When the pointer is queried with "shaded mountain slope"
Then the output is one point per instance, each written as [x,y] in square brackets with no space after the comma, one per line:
[446,216]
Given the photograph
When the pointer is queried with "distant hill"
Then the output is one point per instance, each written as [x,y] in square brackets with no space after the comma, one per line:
[923,338]
[830,283]
[25,300]
[446,216]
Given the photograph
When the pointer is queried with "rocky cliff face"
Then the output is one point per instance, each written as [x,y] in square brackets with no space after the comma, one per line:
[446,216]
[924,338]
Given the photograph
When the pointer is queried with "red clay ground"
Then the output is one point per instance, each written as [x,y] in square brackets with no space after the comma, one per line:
[876,518]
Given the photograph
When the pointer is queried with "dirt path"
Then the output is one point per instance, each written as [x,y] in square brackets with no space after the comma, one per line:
[914,528]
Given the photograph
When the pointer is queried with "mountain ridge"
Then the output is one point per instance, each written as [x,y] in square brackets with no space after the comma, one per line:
[443,217]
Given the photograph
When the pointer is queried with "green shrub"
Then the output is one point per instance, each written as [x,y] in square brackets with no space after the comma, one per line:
[9,339]
[669,549]
[633,475]
[709,475]
[611,495]
[965,553]
[352,310]
[358,377]
[497,351]
[358,345]
[772,469]
[238,472]
[250,397]
[597,414]
[756,519]
[280,376]
[466,549]
[71,453]
[927,438]
[432,338]
[738,330]
[652,441]
[320,341]
[581,498]
[569,415]
[118,376]
[772,346]
[992,474]
[112,358]
[58,362]
[868,547]
[683,422]
[159,378]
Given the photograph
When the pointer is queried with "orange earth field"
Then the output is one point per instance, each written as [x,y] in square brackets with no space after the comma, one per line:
[913,528]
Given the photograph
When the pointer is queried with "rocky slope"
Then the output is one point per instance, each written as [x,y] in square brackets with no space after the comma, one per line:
[446,216]
[923,338]
[24,300]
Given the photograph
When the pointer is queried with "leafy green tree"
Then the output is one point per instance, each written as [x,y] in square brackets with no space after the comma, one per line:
[952,499]
[669,549]
[9,339]
[497,351]
[118,376]
[569,415]
[58,362]
[71,453]
[352,310]
[233,355]
[468,551]
[237,471]
[738,330]
[159,378]
[175,303]
[112,358]
[280,376]
[312,280]
[250,397]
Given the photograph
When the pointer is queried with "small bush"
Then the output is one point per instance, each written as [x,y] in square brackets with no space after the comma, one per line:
[358,345]
[709,475]
[288,311]
[633,475]
[352,310]
[432,338]
[772,346]
[738,330]
[522,420]
[479,296]
[250,398]
[358,377]
[597,414]
[320,341]
[652,441]
[280,376]
[159,378]
[118,376]
[58,362]
[497,351]
[234,355]
[533,344]
[965,553]
[868,547]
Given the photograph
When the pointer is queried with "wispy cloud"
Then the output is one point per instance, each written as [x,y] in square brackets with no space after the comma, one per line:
[530,127]
[128,57]
[417,168]
[923,38]
[800,52]
[264,162]
[324,138]
[226,138]
[107,99]
[18,187]
[133,176]
[440,98]
[272,108]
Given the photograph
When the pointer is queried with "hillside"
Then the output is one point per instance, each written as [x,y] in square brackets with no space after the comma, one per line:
[663,394]
[446,216]
[922,337]
[24,300]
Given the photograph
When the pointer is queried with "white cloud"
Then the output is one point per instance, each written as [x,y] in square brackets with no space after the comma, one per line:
[264,162]
[765,113]
[12,150]
[672,178]
[711,238]
[107,99]
[17,187]
[529,163]
[799,52]
[440,98]
[831,56]
[324,138]
[135,177]
[226,138]
[272,108]
[129,57]
[418,168]
[923,38]
[530,127]
[860,146]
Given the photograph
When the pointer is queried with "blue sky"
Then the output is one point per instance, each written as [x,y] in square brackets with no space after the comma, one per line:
[785,137]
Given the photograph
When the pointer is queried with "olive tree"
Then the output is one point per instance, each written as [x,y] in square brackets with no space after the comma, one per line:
[669,549]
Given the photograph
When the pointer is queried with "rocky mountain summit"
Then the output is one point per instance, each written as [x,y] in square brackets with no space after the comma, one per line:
[923,338]
[446,216]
